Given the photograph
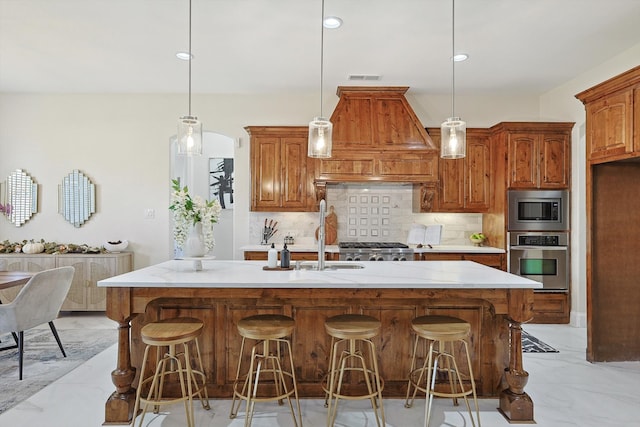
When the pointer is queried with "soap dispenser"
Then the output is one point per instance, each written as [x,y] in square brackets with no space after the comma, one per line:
[285,257]
[272,257]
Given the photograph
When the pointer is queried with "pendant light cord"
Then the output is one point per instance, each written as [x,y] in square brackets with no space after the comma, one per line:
[190,56]
[321,57]
[453,54]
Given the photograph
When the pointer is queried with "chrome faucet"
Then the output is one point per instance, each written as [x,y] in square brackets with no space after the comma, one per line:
[321,231]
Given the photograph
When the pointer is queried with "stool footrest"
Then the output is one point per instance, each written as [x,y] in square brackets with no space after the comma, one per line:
[171,400]
[242,380]
[371,373]
[417,373]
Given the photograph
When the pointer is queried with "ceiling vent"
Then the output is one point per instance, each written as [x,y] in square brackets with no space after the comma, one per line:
[365,77]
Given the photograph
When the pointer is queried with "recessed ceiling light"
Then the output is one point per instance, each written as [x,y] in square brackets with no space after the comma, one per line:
[332,22]
[459,57]
[184,56]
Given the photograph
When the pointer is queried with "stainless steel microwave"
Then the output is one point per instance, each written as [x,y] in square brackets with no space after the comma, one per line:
[538,210]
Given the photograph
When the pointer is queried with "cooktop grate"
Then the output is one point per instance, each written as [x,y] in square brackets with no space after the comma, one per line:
[372,245]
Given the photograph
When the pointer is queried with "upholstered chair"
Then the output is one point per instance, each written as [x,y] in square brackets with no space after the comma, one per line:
[38,302]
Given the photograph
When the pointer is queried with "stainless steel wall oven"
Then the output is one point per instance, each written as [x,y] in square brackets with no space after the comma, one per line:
[541,256]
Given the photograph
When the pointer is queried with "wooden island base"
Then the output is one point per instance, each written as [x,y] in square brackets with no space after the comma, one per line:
[495,316]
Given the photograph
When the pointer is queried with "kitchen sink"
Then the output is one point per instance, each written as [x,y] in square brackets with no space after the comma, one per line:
[313,265]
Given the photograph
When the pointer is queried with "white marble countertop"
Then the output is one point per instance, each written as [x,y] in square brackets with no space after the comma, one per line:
[374,275]
[335,249]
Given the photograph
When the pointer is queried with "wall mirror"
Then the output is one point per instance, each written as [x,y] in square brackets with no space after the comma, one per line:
[76,198]
[18,197]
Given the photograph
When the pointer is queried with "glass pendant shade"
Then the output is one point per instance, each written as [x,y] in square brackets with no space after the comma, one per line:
[320,138]
[189,136]
[453,138]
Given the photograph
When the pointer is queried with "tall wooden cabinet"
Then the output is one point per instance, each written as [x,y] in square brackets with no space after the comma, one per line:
[281,173]
[84,294]
[613,184]
[535,156]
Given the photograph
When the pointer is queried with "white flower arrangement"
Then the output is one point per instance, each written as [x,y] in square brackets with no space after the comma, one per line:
[188,211]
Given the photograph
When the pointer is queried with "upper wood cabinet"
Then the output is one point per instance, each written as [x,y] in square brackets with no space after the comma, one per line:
[465,183]
[281,173]
[613,118]
[538,154]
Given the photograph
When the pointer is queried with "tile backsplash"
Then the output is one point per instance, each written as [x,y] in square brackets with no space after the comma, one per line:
[369,212]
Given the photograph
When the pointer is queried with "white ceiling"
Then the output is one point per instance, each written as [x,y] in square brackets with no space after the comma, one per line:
[244,46]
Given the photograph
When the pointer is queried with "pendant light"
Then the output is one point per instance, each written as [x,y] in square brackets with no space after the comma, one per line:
[453,131]
[320,128]
[189,127]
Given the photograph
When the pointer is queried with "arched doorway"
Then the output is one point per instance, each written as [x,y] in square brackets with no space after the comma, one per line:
[210,176]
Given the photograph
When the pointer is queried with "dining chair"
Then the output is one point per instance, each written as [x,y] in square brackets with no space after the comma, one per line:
[38,302]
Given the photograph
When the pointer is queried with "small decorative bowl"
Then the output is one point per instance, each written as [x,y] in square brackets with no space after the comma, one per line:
[116,245]
[477,242]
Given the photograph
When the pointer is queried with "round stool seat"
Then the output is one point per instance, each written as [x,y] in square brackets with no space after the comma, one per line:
[171,331]
[441,328]
[266,326]
[352,326]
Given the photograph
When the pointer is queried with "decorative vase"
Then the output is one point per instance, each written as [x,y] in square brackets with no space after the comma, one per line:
[194,245]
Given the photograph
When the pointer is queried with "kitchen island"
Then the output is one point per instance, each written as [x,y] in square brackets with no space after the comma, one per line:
[494,302]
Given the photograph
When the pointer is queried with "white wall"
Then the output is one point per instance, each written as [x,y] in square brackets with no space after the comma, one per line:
[121,142]
[561,104]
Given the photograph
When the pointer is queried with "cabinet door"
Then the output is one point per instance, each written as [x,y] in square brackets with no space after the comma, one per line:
[84,294]
[30,263]
[266,173]
[554,161]
[523,160]
[294,173]
[610,126]
[478,175]
[282,176]
[465,183]
[452,188]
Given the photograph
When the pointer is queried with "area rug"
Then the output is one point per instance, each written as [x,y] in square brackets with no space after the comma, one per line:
[531,344]
[43,361]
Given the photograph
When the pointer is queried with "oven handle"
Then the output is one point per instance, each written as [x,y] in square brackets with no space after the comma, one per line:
[540,248]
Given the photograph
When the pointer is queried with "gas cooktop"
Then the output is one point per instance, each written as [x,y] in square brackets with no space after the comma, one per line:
[372,245]
[374,251]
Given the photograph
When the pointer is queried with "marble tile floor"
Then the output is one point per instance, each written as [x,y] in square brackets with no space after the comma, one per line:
[566,390]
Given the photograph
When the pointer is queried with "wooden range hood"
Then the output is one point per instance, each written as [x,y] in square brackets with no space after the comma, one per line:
[377,137]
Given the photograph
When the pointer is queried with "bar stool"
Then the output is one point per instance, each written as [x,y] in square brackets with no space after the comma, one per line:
[267,356]
[171,333]
[351,330]
[442,330]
